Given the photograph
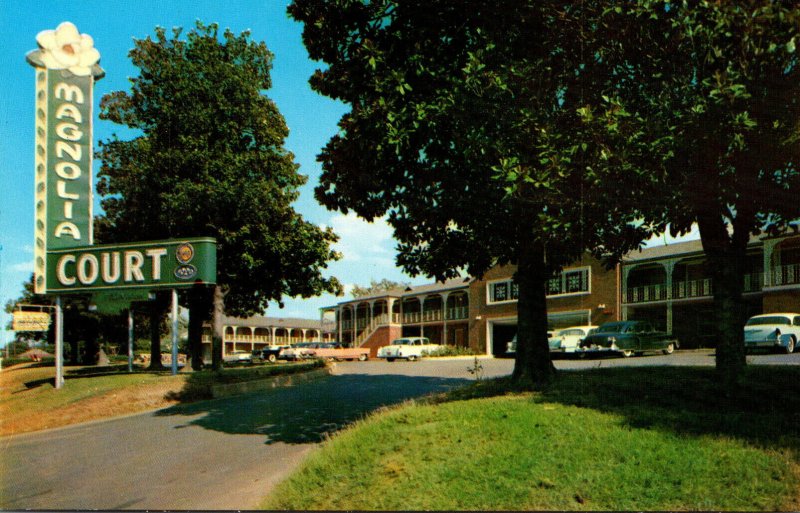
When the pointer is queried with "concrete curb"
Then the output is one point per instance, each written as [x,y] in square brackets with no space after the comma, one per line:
[283,380]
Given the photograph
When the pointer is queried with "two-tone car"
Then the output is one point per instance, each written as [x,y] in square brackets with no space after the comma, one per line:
[775,331]
[628,338]
[569,339]
[408,348]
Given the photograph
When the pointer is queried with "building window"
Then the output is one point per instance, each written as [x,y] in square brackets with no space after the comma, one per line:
[503,291]
[569,281]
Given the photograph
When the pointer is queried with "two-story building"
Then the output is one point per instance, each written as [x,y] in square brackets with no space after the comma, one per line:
[669,285]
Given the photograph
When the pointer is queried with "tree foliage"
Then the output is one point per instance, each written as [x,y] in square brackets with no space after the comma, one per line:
[462,128]
[208,159]
[712,91]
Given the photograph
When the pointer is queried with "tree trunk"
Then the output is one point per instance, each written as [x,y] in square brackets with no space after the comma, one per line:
[532,366]
[73,351]
[726,257]
[156,313]
[198,314]
[91,348]
[217,328]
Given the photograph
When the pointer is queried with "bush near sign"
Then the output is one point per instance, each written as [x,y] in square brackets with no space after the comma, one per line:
[30,321]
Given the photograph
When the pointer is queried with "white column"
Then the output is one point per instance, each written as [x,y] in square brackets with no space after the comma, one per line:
[390,308]
[445,296]
[130,338]
[59,344]
[339,333]
[174,332]
[421,316]
[669,267]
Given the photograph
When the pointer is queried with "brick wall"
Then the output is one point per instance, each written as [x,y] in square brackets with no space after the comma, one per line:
[781,301]
[383,336]
[603,291]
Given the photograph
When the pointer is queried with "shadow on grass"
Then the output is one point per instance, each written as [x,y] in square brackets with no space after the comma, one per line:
[89,372]
[765,410]
[307,412]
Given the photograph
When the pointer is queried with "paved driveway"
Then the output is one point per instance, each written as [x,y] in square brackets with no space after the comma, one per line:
[228,453]
[222,454]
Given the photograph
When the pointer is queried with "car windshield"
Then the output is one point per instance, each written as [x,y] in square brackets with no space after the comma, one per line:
[401,342]
[615,327]
[571,332]
[772,319]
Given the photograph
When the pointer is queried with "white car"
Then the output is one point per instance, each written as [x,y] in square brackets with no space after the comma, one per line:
[569,339]
[410,348]
[238,356]
[511,347]
[772,331]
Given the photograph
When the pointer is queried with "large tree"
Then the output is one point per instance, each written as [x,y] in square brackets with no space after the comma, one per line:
[716,86]
[462,128]
[208,159]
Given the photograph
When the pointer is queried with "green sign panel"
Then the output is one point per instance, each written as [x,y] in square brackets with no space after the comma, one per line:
[144,265]
[63,195]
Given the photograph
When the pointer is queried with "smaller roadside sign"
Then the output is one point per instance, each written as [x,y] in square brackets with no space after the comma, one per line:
[30,321]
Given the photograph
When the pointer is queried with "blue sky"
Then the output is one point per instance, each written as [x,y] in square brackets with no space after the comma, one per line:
[368,249]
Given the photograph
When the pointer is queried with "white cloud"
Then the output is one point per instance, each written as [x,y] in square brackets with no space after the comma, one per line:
[363,241]
[21,267]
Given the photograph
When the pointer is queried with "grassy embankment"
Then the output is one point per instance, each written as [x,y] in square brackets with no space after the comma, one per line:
[621,439]
[29,402]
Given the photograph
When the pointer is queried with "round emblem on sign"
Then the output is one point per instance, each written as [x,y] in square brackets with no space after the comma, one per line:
[184,253]
[185,272]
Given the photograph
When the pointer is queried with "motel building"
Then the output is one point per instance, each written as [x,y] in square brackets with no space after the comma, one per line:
[257,332]
[669,285]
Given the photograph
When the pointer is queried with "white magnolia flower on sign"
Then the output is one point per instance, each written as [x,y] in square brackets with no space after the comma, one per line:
[65,48]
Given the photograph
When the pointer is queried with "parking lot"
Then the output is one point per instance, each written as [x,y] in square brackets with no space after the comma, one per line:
[494,367]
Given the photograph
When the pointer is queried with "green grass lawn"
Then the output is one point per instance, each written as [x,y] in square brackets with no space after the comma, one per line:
[29,401]
[621,439]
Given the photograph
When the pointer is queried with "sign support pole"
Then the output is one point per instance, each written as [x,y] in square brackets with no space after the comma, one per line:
[174,332]
[59,344]
[130,339]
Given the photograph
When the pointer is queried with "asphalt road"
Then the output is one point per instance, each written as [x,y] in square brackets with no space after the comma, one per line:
[228,453]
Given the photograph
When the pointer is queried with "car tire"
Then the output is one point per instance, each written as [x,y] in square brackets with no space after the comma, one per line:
[272,358]
[362,357]
[626,353]
[411,358]
[669,349]
[390,359]
[789,349]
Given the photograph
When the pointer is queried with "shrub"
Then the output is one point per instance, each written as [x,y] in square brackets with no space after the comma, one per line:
[453,351]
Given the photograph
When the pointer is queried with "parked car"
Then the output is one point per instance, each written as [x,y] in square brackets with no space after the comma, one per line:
[779,331]
[336,351]
[272,353]
[629,337]
[511,347]
[238,356]
[299,351]
[569,339]
[410,348]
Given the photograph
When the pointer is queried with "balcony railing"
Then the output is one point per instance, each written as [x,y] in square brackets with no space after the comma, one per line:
[646,293]
[786,275]
[688,289]
[459,312]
